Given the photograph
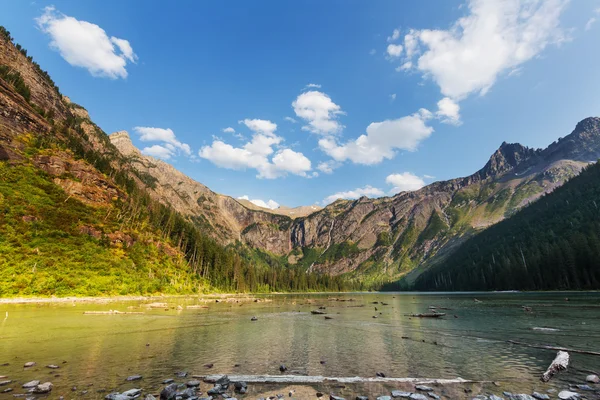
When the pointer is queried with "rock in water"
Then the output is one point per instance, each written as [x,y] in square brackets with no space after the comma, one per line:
[282,368]
[181,374]
[334,397]
[433,396]
[132,392]
[52,366]
[169,392]
[380,374]
[592,379]
[540,396]
[362,398]
[193,383]
[568,395]
[384,398]
[400,394]
[31,384]
[253,319]
[29,364]
[417,396]
[167,381]
[149,397]
[424,388]
[42,388]
[134,378]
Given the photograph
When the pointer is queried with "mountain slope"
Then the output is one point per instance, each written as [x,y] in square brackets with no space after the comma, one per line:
[78,218]
[552,244]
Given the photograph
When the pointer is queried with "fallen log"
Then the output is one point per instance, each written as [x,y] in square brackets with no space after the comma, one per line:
[560,363]
[426,315]
[541,346]
[299,379]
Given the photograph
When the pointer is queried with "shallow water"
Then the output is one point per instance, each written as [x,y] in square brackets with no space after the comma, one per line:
[104,349]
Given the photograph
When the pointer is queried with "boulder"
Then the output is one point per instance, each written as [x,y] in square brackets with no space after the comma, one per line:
[592,379]
[132,392]
[169,392]
[31,384]
[568,395]
[540,396]
[42,388]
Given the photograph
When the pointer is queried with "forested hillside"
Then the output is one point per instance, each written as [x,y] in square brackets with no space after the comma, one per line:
[77,219]
[552,244]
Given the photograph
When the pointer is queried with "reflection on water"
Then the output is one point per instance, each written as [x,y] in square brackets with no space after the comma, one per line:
[470,342]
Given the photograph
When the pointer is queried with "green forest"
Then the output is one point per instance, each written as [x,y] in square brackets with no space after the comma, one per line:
[552,244]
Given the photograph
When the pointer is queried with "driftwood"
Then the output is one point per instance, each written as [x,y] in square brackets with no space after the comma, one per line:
[560,363]
[541,346]
[299,379]
[427,315]
[110,312]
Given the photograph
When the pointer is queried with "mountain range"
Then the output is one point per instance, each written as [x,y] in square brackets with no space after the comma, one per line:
[366,240]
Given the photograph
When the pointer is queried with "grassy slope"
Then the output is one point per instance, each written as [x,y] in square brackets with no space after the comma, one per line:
[44,252]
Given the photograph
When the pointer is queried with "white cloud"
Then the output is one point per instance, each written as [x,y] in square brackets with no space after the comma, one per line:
[495,37]
[372,52]
[313,86]
[395,35]
[589,24]
[327,167]
[258,153]
[381,140]
[158,151]
[170,145]
[319,111]
[393,96]
[260,125]
[404,182]
[229,130]
[86,45]
[271,204]
[290,119]
[428,177]
[394,50]
[368,191]
[448,111]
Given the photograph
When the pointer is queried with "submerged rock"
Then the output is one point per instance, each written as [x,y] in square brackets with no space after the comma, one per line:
[568,395]
[42,388]
[424,388]
[167,381]
[592,378]
[181,374]
[540,396]
[362,398]
[133,378]
[334,397]
[433,396]
[400,394]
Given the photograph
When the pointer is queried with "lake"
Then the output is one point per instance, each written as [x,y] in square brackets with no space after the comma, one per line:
[96,353]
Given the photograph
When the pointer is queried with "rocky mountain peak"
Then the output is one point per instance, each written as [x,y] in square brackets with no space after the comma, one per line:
[590,125]
[507,157]
[123,143]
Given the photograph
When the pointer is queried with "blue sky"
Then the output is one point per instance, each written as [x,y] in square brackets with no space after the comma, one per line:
[327,99]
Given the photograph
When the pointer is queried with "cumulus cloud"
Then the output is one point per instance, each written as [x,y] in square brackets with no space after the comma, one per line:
[404,182]
[327,167]
[394,50]
[395,35]
[86,45]
[290,119]
[170,145]
[381,141]
[495,37]
[271,204]
[368,191]
[319,111]
[258,153]
[448,111]
[229,130]
[313,86]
